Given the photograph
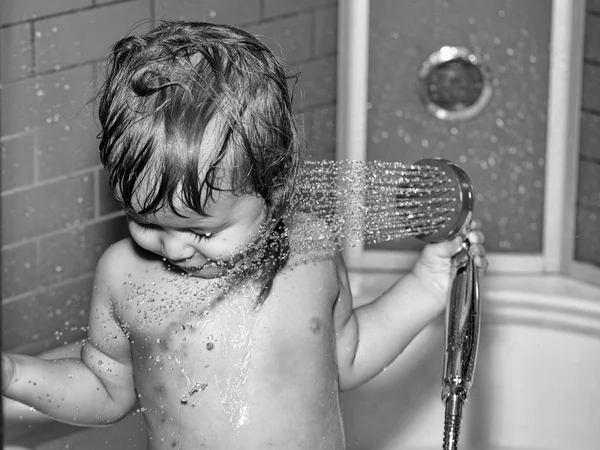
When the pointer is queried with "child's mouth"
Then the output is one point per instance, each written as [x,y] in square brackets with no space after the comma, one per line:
[209,269]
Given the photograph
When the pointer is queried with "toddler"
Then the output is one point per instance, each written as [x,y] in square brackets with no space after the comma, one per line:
[215,317]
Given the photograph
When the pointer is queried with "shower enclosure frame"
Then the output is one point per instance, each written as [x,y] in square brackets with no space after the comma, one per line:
[564,111]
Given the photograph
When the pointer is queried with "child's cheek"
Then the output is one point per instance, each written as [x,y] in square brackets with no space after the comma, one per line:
[218,248]
[145,240]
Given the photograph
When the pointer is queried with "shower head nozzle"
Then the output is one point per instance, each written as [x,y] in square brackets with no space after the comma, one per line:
[380,201]
[459,191]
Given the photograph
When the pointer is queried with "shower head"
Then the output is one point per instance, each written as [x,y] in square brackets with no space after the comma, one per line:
[379,201]
[458,198]
[462,310]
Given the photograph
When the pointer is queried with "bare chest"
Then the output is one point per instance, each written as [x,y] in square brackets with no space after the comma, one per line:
[207,362]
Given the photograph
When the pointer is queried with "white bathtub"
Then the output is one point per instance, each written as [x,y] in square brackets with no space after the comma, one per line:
[536,384]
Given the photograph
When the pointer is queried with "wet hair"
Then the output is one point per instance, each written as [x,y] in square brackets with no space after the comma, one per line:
[192,108]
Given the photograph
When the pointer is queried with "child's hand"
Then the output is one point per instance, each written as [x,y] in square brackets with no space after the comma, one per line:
[8,371]
[434,267]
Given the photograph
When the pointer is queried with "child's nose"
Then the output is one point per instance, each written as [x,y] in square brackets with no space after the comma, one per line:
[175,247]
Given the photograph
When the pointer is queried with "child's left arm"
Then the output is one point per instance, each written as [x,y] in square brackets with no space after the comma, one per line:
[370,337]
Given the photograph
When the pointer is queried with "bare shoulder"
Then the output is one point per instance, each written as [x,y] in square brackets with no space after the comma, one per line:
[123,253]
[312,239]
[315,264]
[122,260]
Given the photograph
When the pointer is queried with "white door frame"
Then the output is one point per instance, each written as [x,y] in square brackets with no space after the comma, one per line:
[564,110]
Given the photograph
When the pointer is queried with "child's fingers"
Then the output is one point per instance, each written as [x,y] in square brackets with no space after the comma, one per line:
[444,249]
[477,250]
[466,227]
[476,237]
[481,263]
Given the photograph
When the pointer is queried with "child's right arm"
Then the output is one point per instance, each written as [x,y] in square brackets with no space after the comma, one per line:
[95,389]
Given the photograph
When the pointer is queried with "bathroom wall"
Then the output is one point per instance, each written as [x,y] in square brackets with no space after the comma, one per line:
[503,148]
[57,212]
[587,242]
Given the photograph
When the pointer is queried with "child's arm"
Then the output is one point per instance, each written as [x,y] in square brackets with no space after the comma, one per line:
[370,337]
[95,389]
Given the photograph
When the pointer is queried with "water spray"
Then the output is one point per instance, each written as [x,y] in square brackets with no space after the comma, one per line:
[376,201]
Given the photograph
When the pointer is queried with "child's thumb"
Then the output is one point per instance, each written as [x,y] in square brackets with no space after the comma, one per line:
[452,247]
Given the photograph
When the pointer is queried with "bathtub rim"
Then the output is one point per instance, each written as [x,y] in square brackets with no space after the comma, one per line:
[545,301]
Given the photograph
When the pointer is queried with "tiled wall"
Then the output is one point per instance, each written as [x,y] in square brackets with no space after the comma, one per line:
[587,243]
[57,212]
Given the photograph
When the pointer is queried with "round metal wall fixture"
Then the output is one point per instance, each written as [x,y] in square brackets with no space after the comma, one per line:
[454,84]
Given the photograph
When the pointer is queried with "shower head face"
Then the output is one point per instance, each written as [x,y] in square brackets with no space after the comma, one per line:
[373,202]
[459,193]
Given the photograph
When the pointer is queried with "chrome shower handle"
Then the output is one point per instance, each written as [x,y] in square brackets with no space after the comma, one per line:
[462,309]
[461,343]
[462,327]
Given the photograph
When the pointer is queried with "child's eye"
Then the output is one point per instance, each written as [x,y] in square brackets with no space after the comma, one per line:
[201,236]
[146,226]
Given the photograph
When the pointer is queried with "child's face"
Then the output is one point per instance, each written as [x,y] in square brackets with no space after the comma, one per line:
[195,243]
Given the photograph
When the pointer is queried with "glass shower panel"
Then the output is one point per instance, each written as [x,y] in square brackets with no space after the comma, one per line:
[502,148]
[587,238]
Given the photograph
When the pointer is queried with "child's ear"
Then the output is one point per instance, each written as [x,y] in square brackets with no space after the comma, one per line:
[275,201]
[279,197]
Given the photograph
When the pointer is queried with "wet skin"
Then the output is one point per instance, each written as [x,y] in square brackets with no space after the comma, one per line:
[211,369]
[205,365]
[213,372]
